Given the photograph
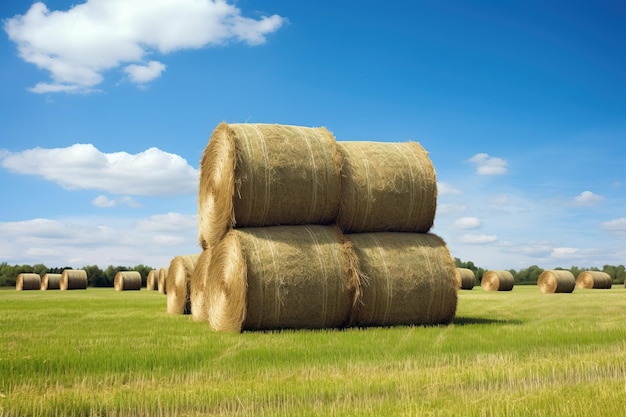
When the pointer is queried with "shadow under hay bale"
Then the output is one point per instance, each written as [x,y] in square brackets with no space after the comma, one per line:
[497,280]
[51,282]
[594,280]
[73,279]
[466,279]
[199,296]
[556,281]
[152,280]
[178,283]
[127,281]
[28,281]
[407,279]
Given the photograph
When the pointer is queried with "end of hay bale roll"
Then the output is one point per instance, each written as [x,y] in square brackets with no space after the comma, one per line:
[152,280]
[594,280]
[556,281]
[178,283]
[73,279]
[497,280]
[162,280]
[466,279]
[28,281]
[127,281]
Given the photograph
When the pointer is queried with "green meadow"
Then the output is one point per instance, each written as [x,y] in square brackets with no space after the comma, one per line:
[98,352]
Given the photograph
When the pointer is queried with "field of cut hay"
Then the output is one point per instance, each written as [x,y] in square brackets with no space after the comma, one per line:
[511,353]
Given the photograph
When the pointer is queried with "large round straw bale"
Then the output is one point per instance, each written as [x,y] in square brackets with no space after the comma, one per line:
[178,283]
[263,174]
[73,279]
[127,280]
[594,279]
[281,277]
[162,279]
[386,187]
[497,280]
[28,281]
[408,279]
[466,279]
[152,281]
[199,296]
[51,282]
[556,281]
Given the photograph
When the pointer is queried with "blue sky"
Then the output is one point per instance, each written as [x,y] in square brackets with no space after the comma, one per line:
[106,107]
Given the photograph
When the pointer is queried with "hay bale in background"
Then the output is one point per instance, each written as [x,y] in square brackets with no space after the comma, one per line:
[152,281]
[127,280]
[178,283]
[28,281]
[386,187]
[162,279]
[466,279]
[267,174]
[73,279]
[556,281]
[594,279]
[409,279]
[199,296]
[282,277]
[497,280]
[51,282]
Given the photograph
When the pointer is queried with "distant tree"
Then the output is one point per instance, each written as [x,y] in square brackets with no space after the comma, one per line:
[144,270]
[528,275]
[95,276]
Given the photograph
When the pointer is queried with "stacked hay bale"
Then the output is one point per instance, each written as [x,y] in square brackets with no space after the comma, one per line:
[466,279]
[27,281]
[594,280]
[73,279]
[556,281]
[51,282]
[299,231]
[127,281]
[497,280]
[152,281]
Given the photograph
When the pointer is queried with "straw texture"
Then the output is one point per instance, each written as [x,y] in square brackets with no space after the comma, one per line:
[51,282]
[556,281]
[466,279]
[73,279]
[127,281]
[261,174]
[199,296]
[594,280]
[178,283]
[282,277]
[27,281]
[152,281]
[386,187]
[162,280]
[408,279]
[497,280]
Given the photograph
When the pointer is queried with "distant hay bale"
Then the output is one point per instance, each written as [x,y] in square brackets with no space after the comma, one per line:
[28,281]
[408,279]
[594,279]
[162,279]
[556,281]
[466,279]
[178,283]
[199,296]
[73,279]
[386,187]
[282,277]
[51,282]
[152,281]
[267,174]
[127,281]
[497,280]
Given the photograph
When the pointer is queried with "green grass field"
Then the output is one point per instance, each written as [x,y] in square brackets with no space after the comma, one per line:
[520,353]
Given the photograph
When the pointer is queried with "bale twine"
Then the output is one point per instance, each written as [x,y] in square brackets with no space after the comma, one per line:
[178,283]
[50,282]
[127,281]
[282,277]
[152,281]
[407,279]
[162,279]
[199,296]
[594,279]
[497,280]
[466,279]
[556,281]
[28,281]
[263,174]
[73,279]
[386,187]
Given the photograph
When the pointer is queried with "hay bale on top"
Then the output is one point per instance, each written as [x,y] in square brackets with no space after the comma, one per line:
[28,281]
[50,282]
[594,279]
[162,279]
[386,187]
[152,281]
[127,281]
[466,279]
[556,281]
[409,279]
[282,277]
[199,296]
[262,174]
[73,279]
[497,280]
[178,283]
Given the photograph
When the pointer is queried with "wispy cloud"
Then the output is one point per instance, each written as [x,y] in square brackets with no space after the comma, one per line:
[489,165]
[615,225]
[468,223]
[444,188]
[478,239]
[587,198]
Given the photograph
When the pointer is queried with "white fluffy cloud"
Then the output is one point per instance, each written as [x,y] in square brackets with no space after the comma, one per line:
[489,165]
[468,223]
[587,198]
[82,166]
[78,45]
[444,188]
[615,225]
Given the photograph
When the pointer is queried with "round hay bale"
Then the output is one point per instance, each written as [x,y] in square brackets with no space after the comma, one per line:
[282,277]
[594,280]
[178,282]
[28,281]
[408,279]
[386,187]
[266,174]
[466,279]
[50,282]
[199,296]
[152,281]
[127,280]
[556,281]
[497,280]
[162,279]
[73,279]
